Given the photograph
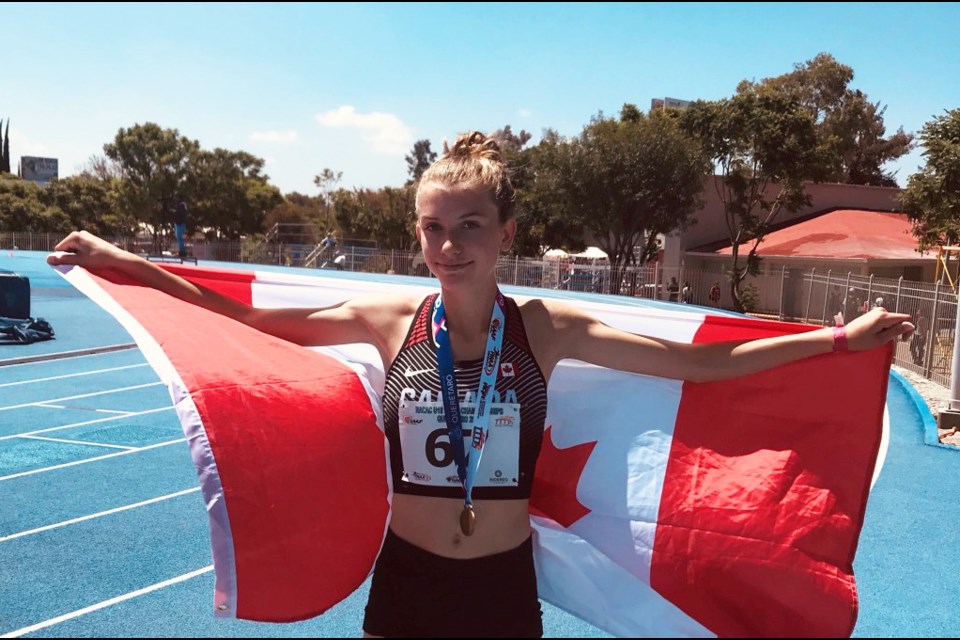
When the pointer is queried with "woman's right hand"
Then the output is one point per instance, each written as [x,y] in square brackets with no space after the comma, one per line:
[87,250]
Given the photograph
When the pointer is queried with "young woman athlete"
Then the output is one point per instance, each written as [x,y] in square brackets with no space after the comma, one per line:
[457,559]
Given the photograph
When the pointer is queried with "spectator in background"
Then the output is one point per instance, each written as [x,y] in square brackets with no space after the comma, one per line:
[329,243]
[673,290]
[714,295]
[918,343]
[686,294]
[851,305]
[180,227]
[834,306]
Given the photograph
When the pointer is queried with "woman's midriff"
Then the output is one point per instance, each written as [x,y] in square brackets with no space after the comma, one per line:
[434,524]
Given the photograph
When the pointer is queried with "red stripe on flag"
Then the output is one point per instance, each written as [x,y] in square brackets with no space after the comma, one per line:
[226,282]
[764,495]
[300,456]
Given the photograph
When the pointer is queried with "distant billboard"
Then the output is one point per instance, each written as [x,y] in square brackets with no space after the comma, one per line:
[41,170]
[668,103]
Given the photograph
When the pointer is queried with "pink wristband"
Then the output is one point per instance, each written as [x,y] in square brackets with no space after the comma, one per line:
[839,338]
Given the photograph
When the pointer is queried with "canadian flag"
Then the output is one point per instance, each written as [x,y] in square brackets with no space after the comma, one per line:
[660,507]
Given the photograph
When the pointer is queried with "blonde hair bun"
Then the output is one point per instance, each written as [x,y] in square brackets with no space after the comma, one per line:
[473,144]
[474,160]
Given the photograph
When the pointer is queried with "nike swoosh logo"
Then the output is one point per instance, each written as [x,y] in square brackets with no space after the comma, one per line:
[409,373]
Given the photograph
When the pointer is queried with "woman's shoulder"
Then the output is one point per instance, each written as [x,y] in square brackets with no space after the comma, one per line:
[388,318]
[385,305]
[550,326]
[548,313]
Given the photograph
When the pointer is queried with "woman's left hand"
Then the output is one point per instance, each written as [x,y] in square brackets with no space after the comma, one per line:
[877,327]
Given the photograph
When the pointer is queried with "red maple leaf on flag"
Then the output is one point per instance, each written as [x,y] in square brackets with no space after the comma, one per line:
[558,473]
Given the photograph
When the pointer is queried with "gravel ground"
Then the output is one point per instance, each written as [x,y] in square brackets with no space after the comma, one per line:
[937,398]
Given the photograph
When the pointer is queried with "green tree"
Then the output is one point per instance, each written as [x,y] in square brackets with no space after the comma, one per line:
[419,160]
[385,215]
[932,196]
[23,207]
[393,220]
[155,167]
[850,129]
[102,168]
[349,214]
[328,180]
[545,218]
[631,113]
[510,142]
[90,204]
[764,143]
[297,208]
[228,192]
[630,180]
[5,149]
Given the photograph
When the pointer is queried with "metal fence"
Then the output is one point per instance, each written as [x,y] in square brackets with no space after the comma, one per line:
[794,295]
[933,307]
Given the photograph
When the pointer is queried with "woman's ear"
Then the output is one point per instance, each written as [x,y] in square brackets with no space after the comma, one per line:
[507,233]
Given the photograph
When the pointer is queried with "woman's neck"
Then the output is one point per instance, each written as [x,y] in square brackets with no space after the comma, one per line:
[468,311]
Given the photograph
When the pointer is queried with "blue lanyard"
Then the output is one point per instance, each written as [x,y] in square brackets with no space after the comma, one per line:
[468,463]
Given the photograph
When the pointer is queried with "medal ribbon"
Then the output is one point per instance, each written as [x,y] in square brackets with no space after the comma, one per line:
[468,462]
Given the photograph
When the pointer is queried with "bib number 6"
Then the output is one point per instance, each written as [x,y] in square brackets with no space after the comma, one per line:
[437,447]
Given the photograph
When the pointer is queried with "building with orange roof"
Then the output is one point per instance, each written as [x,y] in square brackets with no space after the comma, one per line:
[847,228]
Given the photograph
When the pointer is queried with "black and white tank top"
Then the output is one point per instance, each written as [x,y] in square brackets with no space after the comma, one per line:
[420,453]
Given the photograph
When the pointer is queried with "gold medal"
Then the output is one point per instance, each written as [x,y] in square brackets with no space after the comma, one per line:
[467,520]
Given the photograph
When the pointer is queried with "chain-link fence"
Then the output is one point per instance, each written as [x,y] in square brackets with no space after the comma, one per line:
[810,296]
[820,296]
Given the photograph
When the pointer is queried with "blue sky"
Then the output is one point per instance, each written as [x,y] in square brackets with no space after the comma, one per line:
[353,86]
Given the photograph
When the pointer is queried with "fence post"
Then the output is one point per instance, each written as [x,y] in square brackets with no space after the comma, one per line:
[516,268]
[955,360]
[826,294]
[656,281]
[899,286]
[931,331]
[870,293]
[846,297]
[783,278]
[806,312]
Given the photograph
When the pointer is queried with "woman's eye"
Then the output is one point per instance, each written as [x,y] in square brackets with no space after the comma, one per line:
[471,225]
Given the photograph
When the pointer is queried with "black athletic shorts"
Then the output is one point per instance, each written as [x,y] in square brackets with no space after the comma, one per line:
[416,593]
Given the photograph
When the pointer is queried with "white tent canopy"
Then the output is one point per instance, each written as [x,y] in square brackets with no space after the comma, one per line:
[556,254]
[591,253]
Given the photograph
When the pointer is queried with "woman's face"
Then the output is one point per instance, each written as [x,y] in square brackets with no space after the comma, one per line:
[460,233]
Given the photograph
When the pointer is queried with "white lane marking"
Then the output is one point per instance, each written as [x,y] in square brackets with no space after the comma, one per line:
[106,603]
[74,375]
[59,406]
[63,355]
[83,395]
[85,422]
[86,460]
[108,512]
[64,440]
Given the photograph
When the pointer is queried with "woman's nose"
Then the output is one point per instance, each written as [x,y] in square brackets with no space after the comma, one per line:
[451,244]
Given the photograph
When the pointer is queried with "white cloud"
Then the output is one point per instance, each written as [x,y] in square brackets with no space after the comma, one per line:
[384,131]
[284,137]
[525,113]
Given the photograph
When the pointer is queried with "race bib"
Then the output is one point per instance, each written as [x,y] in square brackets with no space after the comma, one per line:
[425,445]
